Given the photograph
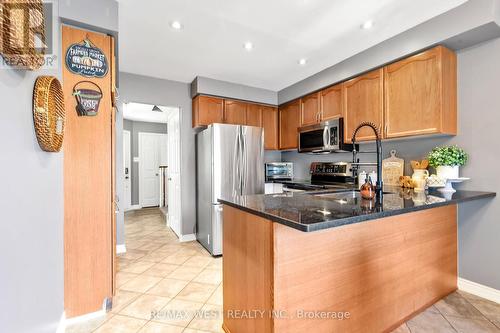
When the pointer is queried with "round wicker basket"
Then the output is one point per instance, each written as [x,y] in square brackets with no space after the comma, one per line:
[49,113]
[20,51]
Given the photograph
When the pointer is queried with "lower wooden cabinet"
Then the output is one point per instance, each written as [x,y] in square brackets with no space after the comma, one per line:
[235,112]
[270,123]
[207,110]
[289,122]
[364,101]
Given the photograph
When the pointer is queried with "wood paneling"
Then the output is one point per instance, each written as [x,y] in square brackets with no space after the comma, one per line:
[364,101]
[420,94]
[88,182]
[271,127]
[235,112]
[331,102]
[310,109]
[114,261]
[289,122]
[207,110]
[382,272]
[247,270]
[254,115]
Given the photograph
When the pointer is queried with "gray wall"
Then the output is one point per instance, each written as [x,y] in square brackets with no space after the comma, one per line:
[478,105]
[135,127]
[31,200]
[143,89]
[206,86]
[473,22]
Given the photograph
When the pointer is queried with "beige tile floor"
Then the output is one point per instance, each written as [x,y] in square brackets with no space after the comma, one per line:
[160,274]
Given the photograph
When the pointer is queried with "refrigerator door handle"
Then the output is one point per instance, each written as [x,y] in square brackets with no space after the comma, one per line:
[244,162]
[236,174]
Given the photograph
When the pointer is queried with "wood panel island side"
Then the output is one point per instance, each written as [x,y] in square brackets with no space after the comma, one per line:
[363,277]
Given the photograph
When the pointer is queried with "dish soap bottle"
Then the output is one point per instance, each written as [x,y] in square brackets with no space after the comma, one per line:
[367,190]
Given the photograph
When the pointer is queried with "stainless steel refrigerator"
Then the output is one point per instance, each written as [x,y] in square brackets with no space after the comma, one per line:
[230,161]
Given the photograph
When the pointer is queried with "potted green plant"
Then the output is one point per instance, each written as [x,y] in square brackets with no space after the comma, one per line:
[447,160]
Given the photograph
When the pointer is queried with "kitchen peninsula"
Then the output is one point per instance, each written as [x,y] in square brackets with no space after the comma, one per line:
[333,262]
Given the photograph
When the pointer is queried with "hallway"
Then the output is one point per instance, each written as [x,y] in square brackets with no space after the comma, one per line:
[157,275]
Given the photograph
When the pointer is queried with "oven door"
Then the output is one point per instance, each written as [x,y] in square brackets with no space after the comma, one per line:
[314,140]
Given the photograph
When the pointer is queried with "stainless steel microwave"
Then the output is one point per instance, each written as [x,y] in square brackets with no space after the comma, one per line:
[326,137]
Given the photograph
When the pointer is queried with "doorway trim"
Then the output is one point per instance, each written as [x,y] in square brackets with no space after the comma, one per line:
[127,196]
[139,164]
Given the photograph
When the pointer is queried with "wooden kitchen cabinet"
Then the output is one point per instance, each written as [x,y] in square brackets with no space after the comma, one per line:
[289,122]
[254,115]
[331,102]
[421,94]
[271,127]
[310,109]
[235,112]
[207,110]
[364,101]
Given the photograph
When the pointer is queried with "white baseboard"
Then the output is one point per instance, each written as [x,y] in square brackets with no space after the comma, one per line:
[85,317]
[479,290]
[61,328]
[120,248]
[133,207]
[187,238]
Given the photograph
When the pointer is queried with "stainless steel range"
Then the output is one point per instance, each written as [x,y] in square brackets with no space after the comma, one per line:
[326,175]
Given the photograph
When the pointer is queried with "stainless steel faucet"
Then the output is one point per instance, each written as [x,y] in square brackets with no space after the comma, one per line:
[379,185]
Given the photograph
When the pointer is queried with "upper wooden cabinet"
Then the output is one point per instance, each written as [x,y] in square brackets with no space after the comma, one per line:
[364,101]
[421,94]
[310,109]
[207,110]
[331,102]
[289,122]
[235,112]
[271,130]
[254,115]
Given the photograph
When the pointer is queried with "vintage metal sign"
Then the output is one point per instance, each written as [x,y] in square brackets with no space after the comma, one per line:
[86,59]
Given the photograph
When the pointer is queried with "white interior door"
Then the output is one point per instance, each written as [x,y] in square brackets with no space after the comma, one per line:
[127,171]
[149,171]
[173,172]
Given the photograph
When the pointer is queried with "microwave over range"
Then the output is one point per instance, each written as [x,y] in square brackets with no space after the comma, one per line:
[326,137]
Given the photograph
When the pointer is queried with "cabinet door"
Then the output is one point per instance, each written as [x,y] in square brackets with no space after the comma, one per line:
[309,110]
[418,91]
[271,129]
[364,101]
[289,123]
[207,110]
[254,115]
[235,112]
[331,102]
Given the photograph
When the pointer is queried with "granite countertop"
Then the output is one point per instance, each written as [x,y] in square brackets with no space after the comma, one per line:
[317,210]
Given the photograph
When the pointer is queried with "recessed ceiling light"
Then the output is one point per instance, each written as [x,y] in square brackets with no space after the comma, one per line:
[248,46]
[176,25]
[367,25]
[302,61]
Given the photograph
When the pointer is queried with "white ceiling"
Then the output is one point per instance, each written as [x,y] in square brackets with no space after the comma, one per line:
[282,31]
